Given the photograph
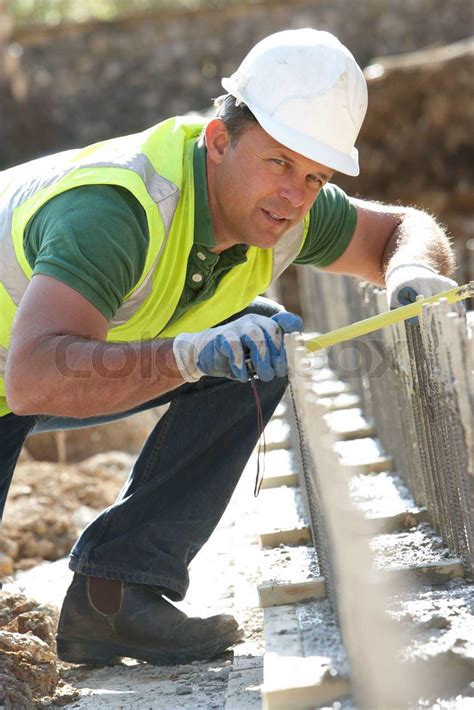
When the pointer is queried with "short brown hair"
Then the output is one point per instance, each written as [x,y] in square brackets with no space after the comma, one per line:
[236,117]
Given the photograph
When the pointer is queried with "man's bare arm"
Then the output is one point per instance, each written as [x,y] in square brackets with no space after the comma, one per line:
[419,239]
[59,362]
[387,236]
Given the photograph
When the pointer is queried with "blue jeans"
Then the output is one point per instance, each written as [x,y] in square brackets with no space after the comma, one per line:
[179,486]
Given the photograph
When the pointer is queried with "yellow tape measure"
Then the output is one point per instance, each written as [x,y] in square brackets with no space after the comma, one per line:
[385,319]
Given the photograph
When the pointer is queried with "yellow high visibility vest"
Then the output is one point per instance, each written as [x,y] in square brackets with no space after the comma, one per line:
[156,166]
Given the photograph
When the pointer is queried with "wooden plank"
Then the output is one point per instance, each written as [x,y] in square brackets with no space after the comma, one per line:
[286,536]
[399,521]
[274,444]
[277,594]
[363,456]
[382,463]
[339,401]
[281,478]
[360,433]
[348,424]
[303,694]
[290,574]
[330,387]
[281,468]
[282,508]
[292,680]
[438,572]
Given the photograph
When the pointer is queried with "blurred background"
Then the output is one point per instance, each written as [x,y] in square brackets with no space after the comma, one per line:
[75,73]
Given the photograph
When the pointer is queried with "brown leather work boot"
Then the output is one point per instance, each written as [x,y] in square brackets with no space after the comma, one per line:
[103,620]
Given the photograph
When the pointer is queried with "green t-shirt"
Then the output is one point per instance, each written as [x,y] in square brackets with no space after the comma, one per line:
[94,238]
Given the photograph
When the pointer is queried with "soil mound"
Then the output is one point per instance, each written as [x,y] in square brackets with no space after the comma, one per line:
[49,503]
[28,664]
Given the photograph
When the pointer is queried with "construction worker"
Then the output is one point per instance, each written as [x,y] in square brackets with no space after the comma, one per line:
[130,273]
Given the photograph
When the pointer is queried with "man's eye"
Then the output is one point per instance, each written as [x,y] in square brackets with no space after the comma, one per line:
[316,179]
[278,162]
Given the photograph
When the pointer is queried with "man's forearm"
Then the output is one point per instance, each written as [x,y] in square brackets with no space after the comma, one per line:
[418,239]
[79,377]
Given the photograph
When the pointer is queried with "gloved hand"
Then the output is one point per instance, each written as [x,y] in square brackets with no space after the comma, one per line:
[221,351]
[407,281]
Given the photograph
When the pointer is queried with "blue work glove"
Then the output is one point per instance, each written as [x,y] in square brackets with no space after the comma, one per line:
[407,281]
[222,351]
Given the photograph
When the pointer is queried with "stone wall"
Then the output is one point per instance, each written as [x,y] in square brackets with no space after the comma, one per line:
[70,86]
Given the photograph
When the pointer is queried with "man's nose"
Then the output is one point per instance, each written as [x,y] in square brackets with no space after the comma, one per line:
[293,193]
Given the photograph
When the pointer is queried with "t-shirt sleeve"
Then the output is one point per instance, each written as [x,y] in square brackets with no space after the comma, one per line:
[93,238]
[332,223]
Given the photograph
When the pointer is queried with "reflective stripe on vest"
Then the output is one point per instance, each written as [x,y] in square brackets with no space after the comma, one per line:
[3,358]
[160,190]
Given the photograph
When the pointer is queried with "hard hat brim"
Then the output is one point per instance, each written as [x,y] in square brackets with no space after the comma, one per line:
[309,147]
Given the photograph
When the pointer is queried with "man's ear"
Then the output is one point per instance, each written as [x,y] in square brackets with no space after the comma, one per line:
[217,139]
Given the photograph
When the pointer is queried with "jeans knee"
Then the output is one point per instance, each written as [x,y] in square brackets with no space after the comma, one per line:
[273,390]
[261,306]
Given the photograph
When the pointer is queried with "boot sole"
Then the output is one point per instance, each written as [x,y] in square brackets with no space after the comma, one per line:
[98,653]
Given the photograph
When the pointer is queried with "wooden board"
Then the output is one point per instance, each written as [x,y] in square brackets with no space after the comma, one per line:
[430,573]
[291,680]
[363,456]
[286,536]
[399,521]
[277,594]
[281,468]
[282,478]
[348,424]
[282,509]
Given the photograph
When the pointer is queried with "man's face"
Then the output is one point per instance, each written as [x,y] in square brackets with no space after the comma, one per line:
[258,188]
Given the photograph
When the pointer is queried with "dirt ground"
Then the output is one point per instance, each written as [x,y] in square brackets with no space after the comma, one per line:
[61,482]
[49,504]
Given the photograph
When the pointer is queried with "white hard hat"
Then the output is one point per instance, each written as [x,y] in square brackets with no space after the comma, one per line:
[306,90]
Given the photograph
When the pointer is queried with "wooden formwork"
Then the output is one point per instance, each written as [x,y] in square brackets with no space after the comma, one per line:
[360,590]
